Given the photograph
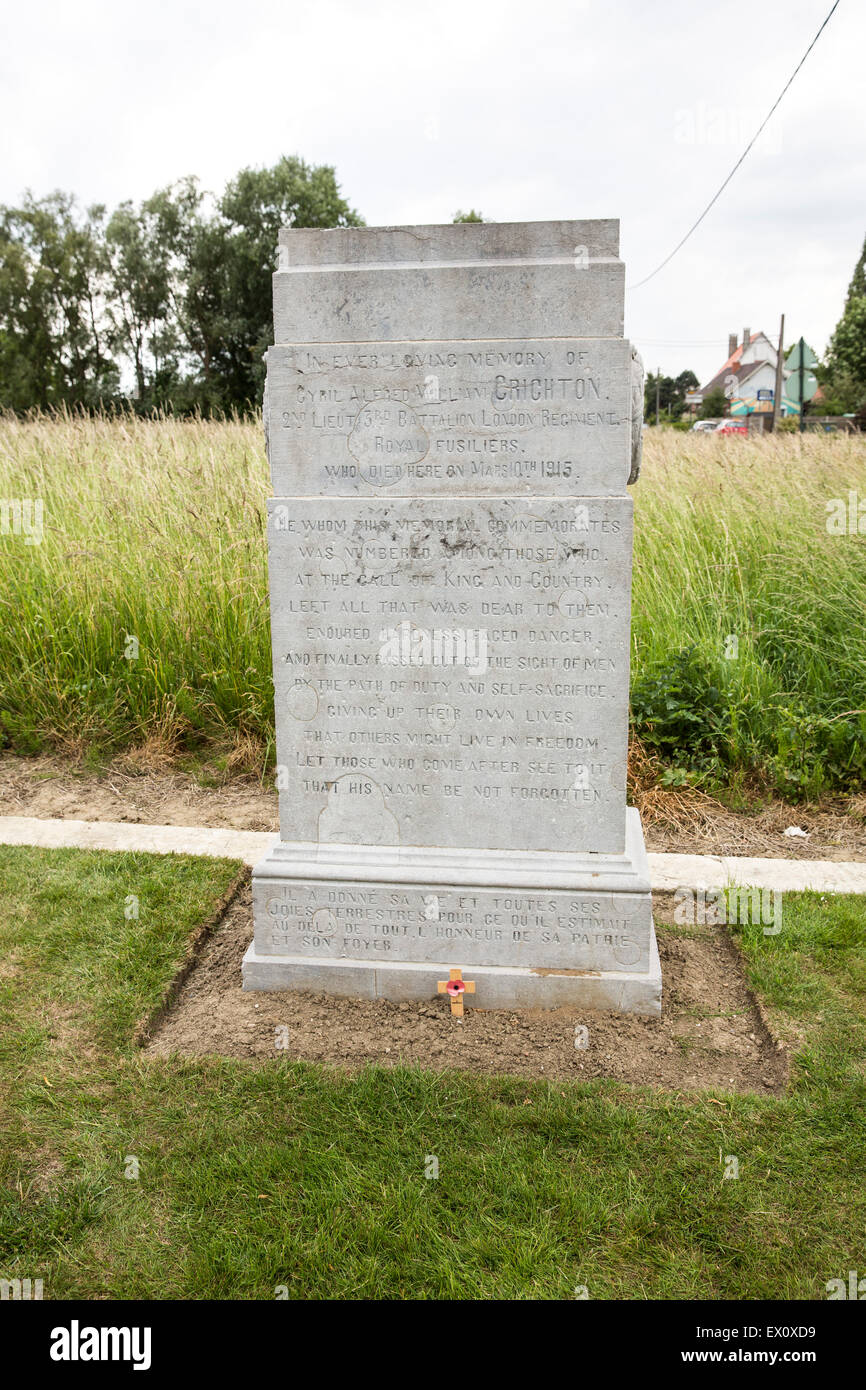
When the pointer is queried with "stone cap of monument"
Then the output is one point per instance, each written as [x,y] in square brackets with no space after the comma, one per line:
[470,280]
[459,241]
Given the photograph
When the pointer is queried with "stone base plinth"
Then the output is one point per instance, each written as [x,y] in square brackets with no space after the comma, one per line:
[496,986]
[533,929]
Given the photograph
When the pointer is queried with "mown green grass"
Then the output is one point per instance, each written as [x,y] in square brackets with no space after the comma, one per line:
[156,530]
[255,1176]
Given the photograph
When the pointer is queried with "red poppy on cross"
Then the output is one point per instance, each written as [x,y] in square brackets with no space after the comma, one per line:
[455,986]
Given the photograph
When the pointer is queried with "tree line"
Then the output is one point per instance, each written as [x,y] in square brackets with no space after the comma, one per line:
[671,397]
[166,304]
[160,305]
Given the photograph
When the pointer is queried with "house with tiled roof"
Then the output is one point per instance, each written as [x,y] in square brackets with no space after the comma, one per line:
[748,377]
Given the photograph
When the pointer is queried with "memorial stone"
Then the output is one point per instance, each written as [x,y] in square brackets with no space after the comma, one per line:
[452,417]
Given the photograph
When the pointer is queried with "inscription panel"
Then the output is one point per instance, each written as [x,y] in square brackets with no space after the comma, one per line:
[485,299]
[548,416]
[452,673]
[380,923]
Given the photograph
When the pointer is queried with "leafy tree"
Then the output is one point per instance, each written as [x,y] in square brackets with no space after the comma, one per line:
[671,393]
[847,353]
[714,405]
[178,288]
[848,347]
[470,216]
[140,310]
[230,292]
[53,281]
[686,381]
[191,278]
[857,287]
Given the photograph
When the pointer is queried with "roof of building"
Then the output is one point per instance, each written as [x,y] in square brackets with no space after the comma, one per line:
[734,365]
[740,371]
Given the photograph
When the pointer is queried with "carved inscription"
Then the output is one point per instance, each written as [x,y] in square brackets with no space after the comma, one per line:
[370,921]
[452,673]
[458,419]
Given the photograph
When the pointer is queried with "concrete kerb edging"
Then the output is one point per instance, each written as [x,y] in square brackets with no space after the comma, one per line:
[246,845]
[667,871]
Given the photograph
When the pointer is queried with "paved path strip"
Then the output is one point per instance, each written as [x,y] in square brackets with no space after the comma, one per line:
[248,845]
[667,871]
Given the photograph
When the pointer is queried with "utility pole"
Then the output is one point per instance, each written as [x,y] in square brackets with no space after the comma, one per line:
[658,378]
[802,378]
[777,394]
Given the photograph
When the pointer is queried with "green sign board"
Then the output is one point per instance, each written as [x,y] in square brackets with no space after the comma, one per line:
[792,388]
[801,384]
[801,349]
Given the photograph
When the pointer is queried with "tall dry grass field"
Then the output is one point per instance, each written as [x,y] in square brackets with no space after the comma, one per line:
[748,655]
[152,530]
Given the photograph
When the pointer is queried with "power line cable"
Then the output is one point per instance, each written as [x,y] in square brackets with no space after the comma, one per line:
[716,197]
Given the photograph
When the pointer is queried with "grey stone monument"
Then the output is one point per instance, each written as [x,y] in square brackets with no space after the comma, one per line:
[453,416]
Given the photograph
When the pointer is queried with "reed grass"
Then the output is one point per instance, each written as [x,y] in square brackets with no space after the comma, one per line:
[735,565]
[155,530]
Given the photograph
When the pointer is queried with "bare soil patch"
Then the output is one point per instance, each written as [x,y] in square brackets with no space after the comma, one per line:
[834,830]
[712,1033]
[49,787]
[127,790]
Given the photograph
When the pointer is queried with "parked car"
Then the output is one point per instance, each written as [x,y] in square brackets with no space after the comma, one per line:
[731,427]
[705,425]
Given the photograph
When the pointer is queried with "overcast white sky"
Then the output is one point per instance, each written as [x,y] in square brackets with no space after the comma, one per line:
[565,108]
